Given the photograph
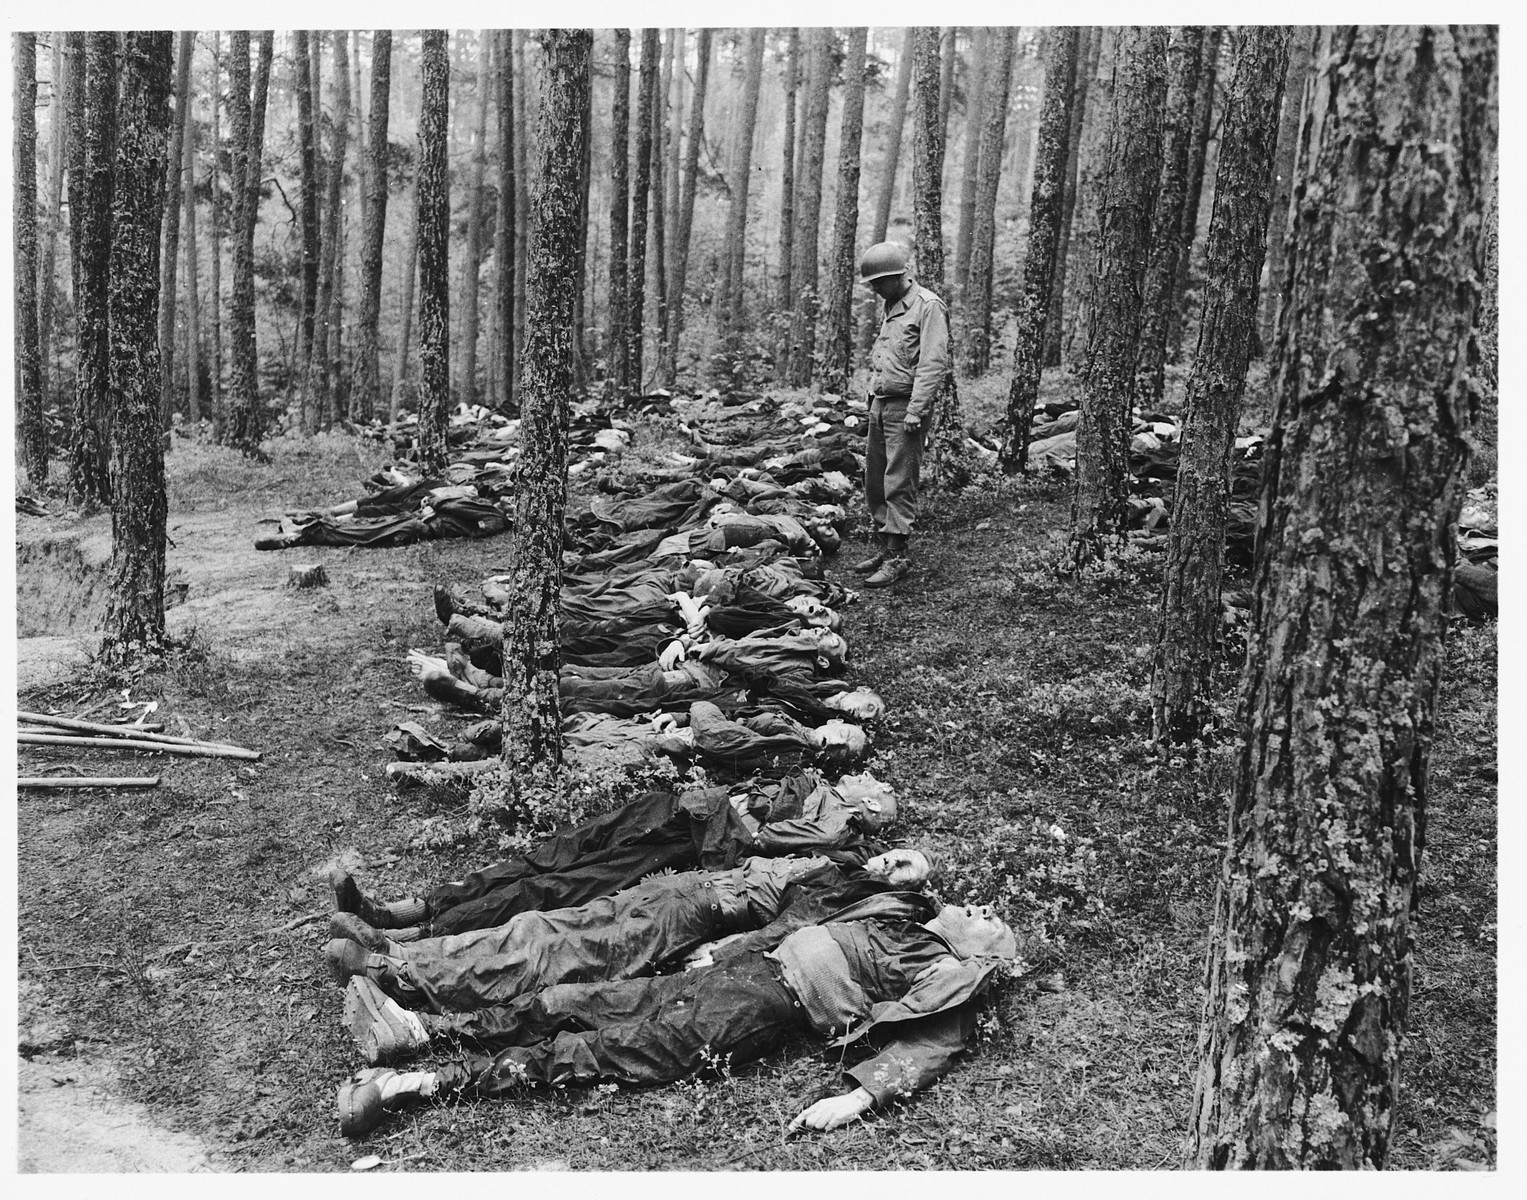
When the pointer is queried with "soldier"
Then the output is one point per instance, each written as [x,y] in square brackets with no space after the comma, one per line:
[909,365]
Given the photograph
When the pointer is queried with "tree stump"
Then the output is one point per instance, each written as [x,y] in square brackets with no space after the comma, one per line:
[307,575]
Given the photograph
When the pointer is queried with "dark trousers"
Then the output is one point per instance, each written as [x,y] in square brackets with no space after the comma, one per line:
[637,1031]
[893,464]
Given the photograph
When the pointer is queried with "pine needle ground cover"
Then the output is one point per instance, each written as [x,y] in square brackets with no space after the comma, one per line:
[174,933]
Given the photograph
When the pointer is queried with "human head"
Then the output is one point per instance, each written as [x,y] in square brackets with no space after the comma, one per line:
[884,268]
[860,703]
[901,868]
[831,648]
[840,744]
[975,931]
[874,801]
[813,612]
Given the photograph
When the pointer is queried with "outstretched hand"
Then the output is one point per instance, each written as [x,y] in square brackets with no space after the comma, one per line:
[834,1111]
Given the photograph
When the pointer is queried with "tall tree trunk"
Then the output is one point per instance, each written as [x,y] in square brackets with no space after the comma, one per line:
[531,712]
[1086,67]
[636,290]
[1040,265]
[219,215]
[135,611]
[48,275]
[727,302]
[620,214]
[1309,967]
[92,151]
[838,309]
[367,393]
[677,45]
[171,238]
[975,112]
[332,286]
[687,201]
[246,412]
[977,293]
[193,278]
[503,231]
[895,125]
[787,175]
[32,428]
[581,368]
[1283,178]
[657,256]
[1184,60]
[947,55]
[1190,612]
[433,185]
[471,266]
[308,202]
[521,203]
[1203,114]
[805,271]
[1118,276]
[1093,171]
[406,308]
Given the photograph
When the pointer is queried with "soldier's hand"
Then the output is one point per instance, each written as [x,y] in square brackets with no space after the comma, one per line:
[834,1111]
[912,424]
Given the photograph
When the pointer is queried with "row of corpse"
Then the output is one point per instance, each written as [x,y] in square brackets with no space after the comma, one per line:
[697,623]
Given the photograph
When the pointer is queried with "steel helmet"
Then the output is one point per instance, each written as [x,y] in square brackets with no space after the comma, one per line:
[882,259]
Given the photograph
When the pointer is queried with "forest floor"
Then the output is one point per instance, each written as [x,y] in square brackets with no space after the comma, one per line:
[169,939]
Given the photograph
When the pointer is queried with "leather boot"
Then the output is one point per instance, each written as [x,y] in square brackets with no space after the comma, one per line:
[877,556]
[892,570]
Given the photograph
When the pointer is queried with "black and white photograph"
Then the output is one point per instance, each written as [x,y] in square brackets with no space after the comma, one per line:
[755,598]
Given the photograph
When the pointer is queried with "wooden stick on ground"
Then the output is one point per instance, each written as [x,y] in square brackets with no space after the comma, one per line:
[193,750]
[84,781]
[150,733]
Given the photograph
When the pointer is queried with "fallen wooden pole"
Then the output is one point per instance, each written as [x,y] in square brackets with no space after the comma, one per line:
[193,750]
[155,727]
[84,781]
[159,739]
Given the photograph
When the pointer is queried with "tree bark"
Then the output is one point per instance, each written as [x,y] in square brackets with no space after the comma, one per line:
[406,309]
[471,266]
[976,295]
[1090,43]
[1040,265]
[331,282]
[677,68]
[48,275]
[433,224]
[521,203]
[620,211]
[657,256]
[805,270]
[1203,114]
[896,123]
[1283,181]
[367,393]
[581,369]
[503,231]
[171,237]
[1184,61]
[135,611]
[1309,971]
[687,200]
[727,302]
[842,263]
[308,206]
[193,276]
[531,713]
[247,112]
[32,428]
[787,177]
[219,414]
[1093,170]
[1118,276]
[92,151]
[636,290]
[1190,612]
[947,55]
[975,110]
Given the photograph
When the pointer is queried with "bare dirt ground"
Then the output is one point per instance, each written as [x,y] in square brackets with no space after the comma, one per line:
[169,939]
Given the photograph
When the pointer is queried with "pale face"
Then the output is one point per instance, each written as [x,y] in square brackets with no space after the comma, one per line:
[975,930]
[874,801]
[902,868]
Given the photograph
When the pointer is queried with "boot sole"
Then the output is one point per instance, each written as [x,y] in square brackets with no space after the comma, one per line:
[365,1014]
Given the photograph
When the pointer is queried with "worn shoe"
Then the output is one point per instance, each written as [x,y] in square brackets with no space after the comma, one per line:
[865,565]
[382,1028]
[360,1101]
[348,926]
[345,958]
[892,570]
[348,898]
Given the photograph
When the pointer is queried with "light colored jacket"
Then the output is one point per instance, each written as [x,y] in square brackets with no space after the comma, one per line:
[911,356]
